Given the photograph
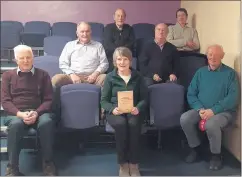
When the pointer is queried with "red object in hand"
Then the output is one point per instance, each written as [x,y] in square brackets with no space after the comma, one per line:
[202,125]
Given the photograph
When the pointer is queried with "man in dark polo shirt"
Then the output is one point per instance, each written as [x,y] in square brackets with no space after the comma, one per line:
[26,96]
[158,60]
[117,34]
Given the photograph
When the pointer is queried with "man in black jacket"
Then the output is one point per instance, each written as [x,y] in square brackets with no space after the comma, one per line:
[117,34]
[159,57]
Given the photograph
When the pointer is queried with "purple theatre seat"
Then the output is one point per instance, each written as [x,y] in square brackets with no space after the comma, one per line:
[53,45]
[49,64]
[187,66]
[97,30]
[166,105]
[80,106]
[134,63]
[35,32]
[143,30]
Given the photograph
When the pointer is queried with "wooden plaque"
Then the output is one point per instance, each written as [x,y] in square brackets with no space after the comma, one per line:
[125,101]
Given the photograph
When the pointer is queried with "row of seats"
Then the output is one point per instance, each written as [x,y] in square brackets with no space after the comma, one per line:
[33,33]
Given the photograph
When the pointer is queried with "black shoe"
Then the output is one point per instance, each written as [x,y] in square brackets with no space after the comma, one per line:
[49,168]
[215,162]
[13,171]
[192,157]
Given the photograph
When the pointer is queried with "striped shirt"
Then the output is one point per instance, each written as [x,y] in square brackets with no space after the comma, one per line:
[83,59]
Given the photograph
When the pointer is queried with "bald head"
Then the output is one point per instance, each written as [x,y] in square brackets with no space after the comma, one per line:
[83,32]
[217,48]
[119,17]
[215,54]
[161,25]
[161,31]
[120,10]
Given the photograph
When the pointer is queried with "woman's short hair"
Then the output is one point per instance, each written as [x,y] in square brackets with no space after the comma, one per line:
[123,52]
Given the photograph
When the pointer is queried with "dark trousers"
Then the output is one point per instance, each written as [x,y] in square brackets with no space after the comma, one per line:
[17,129]
[127,134]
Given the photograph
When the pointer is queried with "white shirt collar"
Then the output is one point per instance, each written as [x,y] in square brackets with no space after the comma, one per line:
[32,70]
[89,43]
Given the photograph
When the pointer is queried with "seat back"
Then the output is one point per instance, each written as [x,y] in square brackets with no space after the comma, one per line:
[64,29]
[97,30]
[188,64]
[80,106]
[53,45]
[10,36]
[35,32]
[18,26]
[139,46]
[48,63]
[144,30]
[33,39]
[134,63]
[39,27]
[166,105]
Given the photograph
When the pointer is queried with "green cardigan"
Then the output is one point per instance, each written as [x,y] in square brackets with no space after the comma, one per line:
[114,83]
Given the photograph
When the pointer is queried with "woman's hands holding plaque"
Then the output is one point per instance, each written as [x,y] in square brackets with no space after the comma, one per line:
[117,112]
[135,111]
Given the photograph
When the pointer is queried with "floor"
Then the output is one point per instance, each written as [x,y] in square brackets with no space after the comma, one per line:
[99,159]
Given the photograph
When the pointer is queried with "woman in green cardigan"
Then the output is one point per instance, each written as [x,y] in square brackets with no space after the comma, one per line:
[127,126]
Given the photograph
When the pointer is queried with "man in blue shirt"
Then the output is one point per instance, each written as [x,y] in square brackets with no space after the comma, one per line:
[213,96]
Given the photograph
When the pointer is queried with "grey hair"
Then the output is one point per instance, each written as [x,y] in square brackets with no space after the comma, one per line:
[217,46]
[124,52]
[84,23]
[20,48]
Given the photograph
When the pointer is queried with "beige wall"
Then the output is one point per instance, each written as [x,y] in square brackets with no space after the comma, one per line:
[219,22]
[216,22]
